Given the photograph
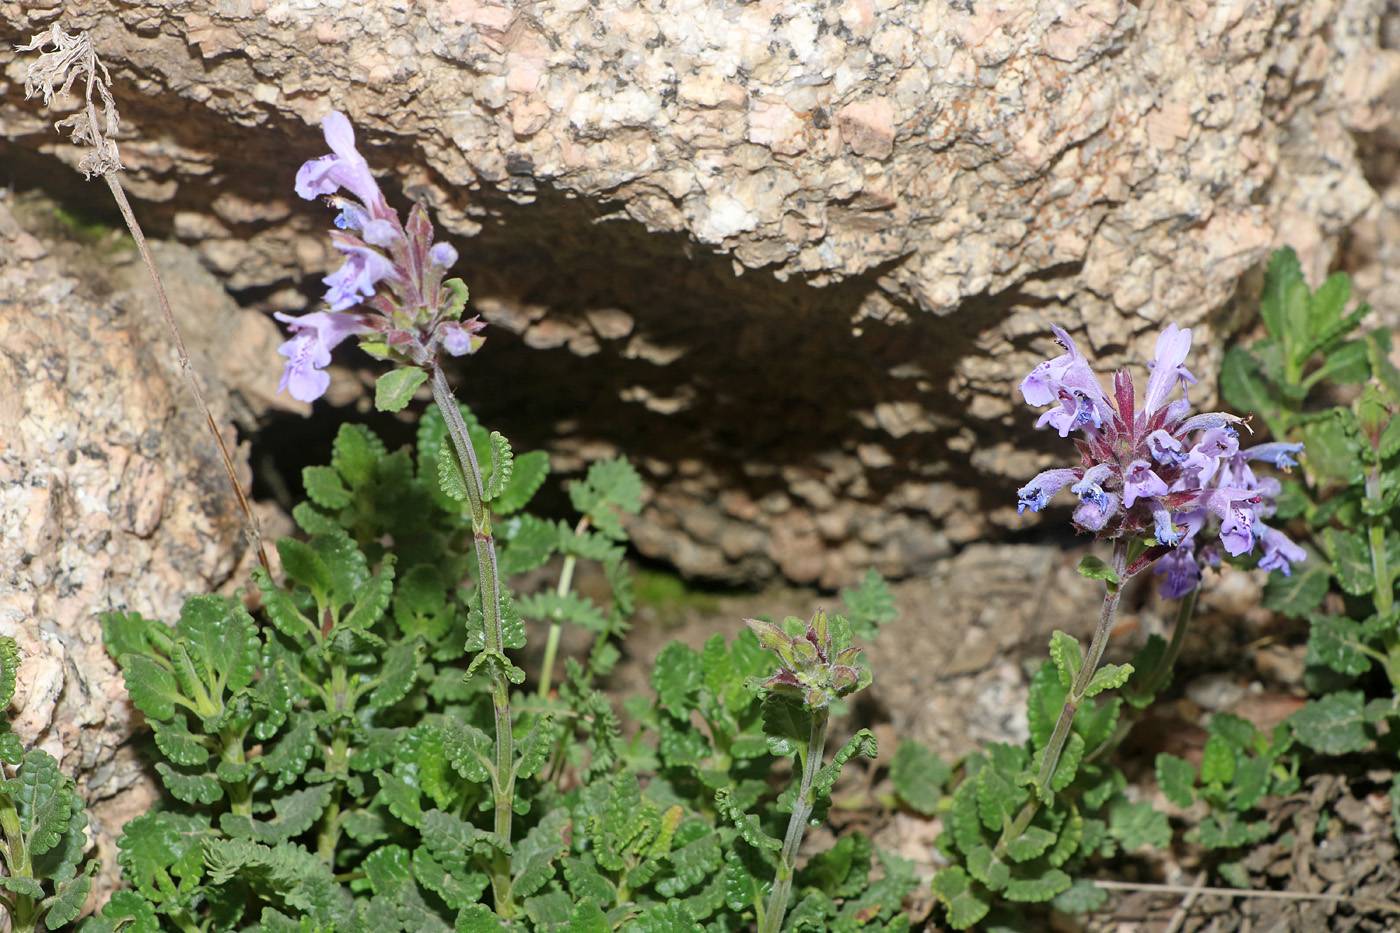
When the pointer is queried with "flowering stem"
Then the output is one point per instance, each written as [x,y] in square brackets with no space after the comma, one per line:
[802,804]
[503,774]
[1073,699]
[1156,679]
[551,645]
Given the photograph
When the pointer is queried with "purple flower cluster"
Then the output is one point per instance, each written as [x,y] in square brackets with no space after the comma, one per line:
[412,315]
[1158,469]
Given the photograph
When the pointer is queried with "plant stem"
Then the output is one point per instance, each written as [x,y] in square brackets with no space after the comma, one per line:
[551,645]
[797,824]
[1155,680]
[1056,745]
[489,586]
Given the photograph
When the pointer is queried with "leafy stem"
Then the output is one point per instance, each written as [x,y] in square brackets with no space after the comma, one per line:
[802,805]
[1078,690]
[503,781]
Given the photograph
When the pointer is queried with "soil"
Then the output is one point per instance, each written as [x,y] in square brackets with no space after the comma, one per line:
[952,672]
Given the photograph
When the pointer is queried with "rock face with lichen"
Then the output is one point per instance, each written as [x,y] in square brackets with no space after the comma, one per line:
[791,258]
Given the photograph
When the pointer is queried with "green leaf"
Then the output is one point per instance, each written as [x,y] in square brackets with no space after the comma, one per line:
[1301,593]
[1175,776]
[529,541]
[1082,897]
[1067,655]
[1284,304]
[69,898]
[787,725]
[450,476]
[1135,824]
[862,743]
[1351,560]
[1108,677]
[919,776]
[1339,643]
[303,565]
[967,901]
[502,465]
[1040,888]
[676,676]
[176,742]
[1217,762]
[609,484]
[370,598]
[1252,779]
[1068,765]
[468,749]
[190,788]
[403,799]
[1092,568]
[552,606]
[398,674]
[1333,447]
[395,388]
[448,836]
[153,688]
[1333,725]
[323,487]
[388,869]
[987,868]
[529,475]
[537,747]
[296,812]
[225,640]
[457,888]
[997,799]
[1243,385]
[869,606]
[1030,844]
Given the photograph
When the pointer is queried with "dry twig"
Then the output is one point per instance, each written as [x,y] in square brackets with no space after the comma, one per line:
[55,72]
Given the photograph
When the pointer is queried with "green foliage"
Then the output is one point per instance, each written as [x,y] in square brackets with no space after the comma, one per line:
[335,765]
[43,827]
[1012,840]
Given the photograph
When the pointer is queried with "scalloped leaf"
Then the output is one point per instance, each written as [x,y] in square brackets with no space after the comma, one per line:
[1108,677]
[502,466]
[394,389]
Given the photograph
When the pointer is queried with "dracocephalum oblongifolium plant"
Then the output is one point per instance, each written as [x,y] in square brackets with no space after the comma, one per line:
[1164,487]
[366,756]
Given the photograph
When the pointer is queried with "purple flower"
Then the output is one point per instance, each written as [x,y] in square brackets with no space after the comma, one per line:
[354,282]
[1094,512]
[1181,571]
[346,168]
[309,351]
[1164,447]
[1279,552]
[1279,453]
[462,338]
[1172,346]
[1035,494]
[1157,469]
[443,255]
[1140,481]
[1237,527]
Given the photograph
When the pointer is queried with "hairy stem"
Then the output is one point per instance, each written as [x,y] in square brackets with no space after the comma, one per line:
[503,780]
[1056,745]
[797,824]
[1155,680]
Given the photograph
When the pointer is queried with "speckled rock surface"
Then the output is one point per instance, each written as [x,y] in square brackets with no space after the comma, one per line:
[790,257]
[112,496]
